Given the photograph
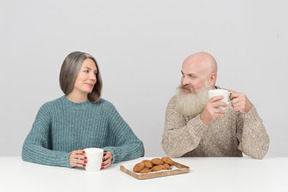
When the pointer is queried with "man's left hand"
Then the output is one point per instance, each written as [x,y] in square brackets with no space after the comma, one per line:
[240,102]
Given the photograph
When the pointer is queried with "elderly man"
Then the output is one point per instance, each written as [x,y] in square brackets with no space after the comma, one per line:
[196,127]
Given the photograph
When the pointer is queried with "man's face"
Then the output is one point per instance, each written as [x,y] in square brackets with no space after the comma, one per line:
[194,76]
[192,103]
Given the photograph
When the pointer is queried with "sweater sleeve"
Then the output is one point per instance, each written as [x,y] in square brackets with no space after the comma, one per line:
[180,138]
[123,143]
[37,145]
[252,136]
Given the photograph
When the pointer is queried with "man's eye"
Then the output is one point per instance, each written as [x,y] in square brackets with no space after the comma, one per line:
[192,76]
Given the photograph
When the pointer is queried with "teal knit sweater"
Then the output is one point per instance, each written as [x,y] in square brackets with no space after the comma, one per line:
[62,126]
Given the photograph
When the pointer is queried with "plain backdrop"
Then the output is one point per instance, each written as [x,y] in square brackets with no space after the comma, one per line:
[140,47]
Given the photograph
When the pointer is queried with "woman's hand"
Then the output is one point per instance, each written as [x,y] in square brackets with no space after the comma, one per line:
[77,158]
[107,159]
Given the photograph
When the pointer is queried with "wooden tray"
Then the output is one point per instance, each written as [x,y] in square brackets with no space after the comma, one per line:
[182,169]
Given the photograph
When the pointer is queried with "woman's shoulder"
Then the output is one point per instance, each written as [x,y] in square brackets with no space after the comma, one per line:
[52,103]
[106,106]
[104,103]
[62,100]
[47,108]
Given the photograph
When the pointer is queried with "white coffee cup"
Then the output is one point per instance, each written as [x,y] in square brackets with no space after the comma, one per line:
[220,92]
[94,159]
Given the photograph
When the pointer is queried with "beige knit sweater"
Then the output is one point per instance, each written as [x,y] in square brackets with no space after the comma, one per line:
[224,137]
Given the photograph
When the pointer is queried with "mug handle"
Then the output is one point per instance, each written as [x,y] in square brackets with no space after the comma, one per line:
[229,102]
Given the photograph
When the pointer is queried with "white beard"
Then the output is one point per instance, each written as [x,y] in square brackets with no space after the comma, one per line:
[191,104]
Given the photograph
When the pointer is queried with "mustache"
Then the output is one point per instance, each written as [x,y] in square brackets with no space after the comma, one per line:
[186,87]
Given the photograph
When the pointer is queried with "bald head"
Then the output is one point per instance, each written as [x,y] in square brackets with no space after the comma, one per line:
[199,68]
[203,60]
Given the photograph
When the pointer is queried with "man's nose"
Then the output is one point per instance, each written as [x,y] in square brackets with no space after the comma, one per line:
[185,81]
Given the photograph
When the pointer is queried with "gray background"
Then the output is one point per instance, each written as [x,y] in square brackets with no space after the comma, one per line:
[140,47]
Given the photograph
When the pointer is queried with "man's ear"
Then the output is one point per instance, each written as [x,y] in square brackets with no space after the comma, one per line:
[212,79]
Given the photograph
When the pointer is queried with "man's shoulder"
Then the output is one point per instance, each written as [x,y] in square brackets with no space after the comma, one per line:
[172,101]
[218,87]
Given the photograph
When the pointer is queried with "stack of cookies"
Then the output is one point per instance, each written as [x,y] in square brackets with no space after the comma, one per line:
[156,164]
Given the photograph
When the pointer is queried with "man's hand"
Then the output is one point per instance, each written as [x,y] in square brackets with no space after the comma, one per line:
[240,102]
[211,112]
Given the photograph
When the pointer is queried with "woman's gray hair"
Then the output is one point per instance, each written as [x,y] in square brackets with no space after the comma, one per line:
[69,72]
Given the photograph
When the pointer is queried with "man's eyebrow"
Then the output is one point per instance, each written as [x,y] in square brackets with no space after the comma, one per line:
[189,73]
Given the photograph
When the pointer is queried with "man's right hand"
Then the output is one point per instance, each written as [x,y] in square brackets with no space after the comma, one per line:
[211,112]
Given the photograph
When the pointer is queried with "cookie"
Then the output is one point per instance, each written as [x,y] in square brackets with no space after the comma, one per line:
[138,167]
[167,166]
[147,163]
[156,168]
[157,161]
[167,160]
[146,170]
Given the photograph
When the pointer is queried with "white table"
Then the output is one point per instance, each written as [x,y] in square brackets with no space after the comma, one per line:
[206,174]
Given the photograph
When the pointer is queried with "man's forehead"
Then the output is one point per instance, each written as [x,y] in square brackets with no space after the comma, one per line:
[191,68]
[188,71]
[201,62]
[195,65]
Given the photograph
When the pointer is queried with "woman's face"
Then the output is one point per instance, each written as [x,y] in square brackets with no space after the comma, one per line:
[86,78]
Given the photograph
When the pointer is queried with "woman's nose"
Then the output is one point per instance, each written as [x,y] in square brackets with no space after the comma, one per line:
[93,76]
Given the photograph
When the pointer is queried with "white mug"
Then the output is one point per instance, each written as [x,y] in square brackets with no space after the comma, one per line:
[94,159]
[220,92]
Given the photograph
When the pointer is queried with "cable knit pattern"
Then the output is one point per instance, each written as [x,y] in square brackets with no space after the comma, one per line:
[224,137]
[62,126]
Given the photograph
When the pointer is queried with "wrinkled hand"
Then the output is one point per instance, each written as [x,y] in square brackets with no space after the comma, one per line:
[80,158]
[211,112]
[240,102]
[107,159]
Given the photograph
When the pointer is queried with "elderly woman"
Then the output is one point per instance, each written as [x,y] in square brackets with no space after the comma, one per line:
[80,119]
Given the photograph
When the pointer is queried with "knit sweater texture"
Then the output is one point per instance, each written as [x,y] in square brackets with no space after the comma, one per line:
[224,137]
[62,126]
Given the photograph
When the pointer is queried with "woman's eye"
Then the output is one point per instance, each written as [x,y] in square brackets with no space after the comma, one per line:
[86,71]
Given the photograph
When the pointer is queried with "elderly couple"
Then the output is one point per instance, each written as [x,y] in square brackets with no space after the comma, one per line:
[195,126]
